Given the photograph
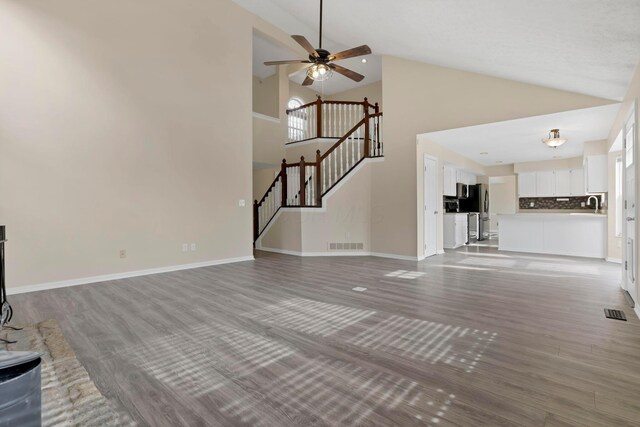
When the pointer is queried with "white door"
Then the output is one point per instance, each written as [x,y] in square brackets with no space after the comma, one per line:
[630,211]
[431,207]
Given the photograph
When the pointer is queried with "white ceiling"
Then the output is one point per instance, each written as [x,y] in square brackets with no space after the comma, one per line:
[586,46]
[520,140]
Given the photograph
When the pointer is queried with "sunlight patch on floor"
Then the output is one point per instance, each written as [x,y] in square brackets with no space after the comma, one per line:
[404,274]
[341,393]
[426,341]
[309,316]
[204,359]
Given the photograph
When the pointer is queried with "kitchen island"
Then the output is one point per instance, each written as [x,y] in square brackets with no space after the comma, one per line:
[574,234]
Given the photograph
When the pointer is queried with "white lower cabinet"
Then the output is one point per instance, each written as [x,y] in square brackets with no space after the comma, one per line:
[455,230]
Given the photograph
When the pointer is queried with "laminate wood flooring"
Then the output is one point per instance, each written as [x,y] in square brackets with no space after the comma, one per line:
[472,337]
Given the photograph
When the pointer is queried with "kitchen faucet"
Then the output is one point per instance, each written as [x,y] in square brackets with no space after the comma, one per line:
[589,202]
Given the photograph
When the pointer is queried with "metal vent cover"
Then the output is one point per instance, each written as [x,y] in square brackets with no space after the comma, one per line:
[611,313]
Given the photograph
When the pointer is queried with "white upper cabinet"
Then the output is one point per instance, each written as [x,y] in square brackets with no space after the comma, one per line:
[563,183]
[527,184]
[577,182]
[466,177]
[546,183]
[449,181]
[595,174]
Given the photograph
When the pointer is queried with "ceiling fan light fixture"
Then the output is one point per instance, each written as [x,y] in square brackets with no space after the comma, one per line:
[554,140]
[319,72]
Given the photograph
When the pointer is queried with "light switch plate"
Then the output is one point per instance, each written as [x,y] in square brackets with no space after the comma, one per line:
[241,203]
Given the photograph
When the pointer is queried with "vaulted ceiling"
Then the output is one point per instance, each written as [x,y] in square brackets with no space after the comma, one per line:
[584,46]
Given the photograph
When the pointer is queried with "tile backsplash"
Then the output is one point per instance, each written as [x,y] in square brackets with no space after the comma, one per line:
[572,203]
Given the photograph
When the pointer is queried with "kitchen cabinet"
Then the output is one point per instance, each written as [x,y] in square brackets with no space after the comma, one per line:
[466,177]
[527,184]
[449,181]
[455,230]
[563,183]
[545,184]
[596,174]
[577,182]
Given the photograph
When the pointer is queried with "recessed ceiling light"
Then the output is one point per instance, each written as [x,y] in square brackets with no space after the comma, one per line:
[364,60]
[498,161]
[483,153]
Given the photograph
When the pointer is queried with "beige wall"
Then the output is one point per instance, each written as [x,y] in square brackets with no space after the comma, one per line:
[444,99]
[346,218]
[371,91]
[262,180]
[546,165]
[502,198]
[123,131]
[306,94]
[265,95]
[269,137]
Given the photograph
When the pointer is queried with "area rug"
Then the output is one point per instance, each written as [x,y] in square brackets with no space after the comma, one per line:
[69,397]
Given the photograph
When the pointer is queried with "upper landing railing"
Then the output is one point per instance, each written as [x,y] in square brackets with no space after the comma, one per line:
[327,119]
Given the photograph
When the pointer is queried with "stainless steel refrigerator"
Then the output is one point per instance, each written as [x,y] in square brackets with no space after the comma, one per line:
[478,201]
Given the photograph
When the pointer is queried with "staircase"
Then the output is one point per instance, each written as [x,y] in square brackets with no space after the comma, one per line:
[357,126]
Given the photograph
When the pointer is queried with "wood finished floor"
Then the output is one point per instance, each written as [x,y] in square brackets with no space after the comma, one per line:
[473,337]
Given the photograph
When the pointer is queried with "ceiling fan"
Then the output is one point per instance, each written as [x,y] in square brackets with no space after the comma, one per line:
[323,61]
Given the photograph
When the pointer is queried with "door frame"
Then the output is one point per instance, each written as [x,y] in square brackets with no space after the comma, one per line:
[626,263]
[428,157]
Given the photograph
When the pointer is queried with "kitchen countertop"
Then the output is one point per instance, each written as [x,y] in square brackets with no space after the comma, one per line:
[557,214]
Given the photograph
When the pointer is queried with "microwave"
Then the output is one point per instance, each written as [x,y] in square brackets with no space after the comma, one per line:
[462,191]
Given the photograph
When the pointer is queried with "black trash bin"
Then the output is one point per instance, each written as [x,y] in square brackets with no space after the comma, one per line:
[20,395]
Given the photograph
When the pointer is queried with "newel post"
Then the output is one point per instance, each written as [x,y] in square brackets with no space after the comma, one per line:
[367,140]
[319,117]
[256,225]
[303,187]
[318,182]
[283,173]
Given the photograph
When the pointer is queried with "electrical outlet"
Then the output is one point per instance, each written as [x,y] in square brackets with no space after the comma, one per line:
[193,246]
[241,203]
[185,247]
[531,204]
[582,205]
[123,253]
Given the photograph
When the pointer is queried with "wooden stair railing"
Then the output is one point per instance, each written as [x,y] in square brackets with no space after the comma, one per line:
[326,119]
[303,184]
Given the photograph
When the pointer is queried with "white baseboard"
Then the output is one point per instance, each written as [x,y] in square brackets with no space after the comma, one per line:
[338,253]
[636,309]
[117,276]
[614,260]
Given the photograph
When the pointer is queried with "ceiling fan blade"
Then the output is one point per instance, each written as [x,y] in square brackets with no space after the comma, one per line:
[350,53]
[347,72]
[308,81]
[302,41]
[292,61]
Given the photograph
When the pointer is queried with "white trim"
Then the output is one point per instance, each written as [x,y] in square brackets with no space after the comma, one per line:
[125,275]
[310,141]
[636,310]
[339,253]
[265,117]
[614,260]
[325,198]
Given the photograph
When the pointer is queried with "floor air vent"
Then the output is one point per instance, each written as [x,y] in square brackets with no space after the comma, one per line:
[614,314]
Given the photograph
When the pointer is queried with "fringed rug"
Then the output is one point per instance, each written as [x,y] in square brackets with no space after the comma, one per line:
[69,397]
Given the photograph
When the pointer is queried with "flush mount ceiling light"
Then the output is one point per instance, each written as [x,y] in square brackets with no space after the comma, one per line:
[554,140]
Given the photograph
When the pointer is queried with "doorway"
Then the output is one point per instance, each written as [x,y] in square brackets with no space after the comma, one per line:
[431,207]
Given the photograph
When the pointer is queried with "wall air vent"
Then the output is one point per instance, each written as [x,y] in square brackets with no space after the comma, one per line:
[340,246]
